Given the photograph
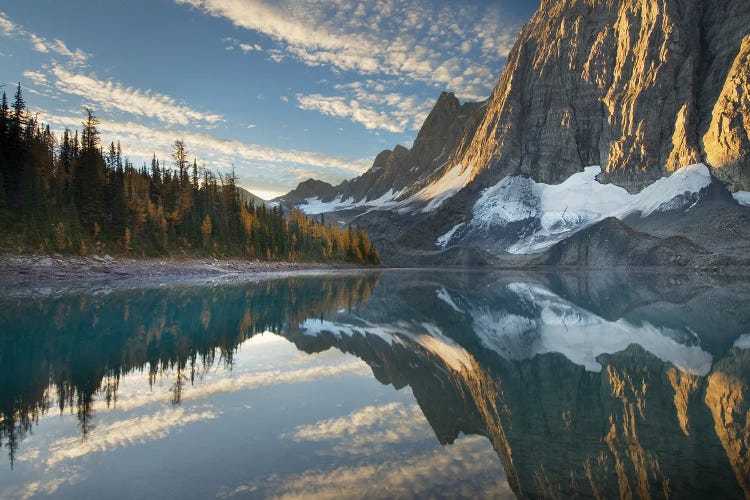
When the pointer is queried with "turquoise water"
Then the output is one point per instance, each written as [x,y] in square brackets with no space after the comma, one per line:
[381,384]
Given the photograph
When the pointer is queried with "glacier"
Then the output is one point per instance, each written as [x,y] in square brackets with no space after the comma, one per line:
[552,212]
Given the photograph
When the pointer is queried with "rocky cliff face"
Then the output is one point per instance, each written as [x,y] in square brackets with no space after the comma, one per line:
[639,87]
[642,88]
[727,140]
[447,128]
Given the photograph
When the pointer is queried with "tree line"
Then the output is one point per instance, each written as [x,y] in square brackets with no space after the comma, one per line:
[74,195]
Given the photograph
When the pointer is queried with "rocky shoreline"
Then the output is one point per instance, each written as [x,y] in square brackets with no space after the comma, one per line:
[42,274]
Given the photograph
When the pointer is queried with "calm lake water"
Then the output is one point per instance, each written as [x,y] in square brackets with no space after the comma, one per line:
[381,384]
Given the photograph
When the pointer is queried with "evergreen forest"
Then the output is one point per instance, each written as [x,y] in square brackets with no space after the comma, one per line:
[74,195]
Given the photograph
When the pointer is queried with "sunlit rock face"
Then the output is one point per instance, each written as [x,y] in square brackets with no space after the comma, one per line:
[396,175]
[631,86]
[727,140]
[638,90]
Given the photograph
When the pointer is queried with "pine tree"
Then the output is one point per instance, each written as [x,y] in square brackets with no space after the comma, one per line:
[15,149]
[17,117]
[89,179]
[3,150]
[84,197]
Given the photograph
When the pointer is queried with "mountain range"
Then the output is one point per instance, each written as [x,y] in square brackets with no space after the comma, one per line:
[624,119]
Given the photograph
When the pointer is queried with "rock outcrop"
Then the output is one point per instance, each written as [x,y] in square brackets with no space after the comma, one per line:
[611,243]
[639,87]
[446,129]
[727,141]
[629,85]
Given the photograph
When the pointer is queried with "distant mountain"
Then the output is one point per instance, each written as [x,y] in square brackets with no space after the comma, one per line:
[246,196]
[656,93]
[399,177]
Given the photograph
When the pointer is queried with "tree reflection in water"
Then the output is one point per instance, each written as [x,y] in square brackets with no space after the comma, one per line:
[590,384]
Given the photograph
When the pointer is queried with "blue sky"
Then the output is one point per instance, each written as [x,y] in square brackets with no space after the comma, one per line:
[282,90]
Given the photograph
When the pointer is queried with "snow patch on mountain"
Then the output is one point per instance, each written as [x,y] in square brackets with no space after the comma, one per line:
[549,212]
[435,193]
[742,197]
[314,206]
[444,239]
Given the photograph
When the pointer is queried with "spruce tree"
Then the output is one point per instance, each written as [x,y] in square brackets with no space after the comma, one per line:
[89,179]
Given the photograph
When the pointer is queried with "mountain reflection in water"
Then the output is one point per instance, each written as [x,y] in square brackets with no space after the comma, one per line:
[589,384]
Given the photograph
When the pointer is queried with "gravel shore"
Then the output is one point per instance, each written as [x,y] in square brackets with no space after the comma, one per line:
[52,274]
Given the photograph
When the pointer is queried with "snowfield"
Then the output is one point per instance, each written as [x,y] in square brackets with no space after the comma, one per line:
[437,192]
[314,206]
[555,211]
[742,197]
[429,198]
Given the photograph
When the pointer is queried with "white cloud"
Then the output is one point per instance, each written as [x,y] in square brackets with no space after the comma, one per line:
[246,47]
[112,95]
[41,44]
[233,43]
[388,417]
[38,43]
[146,140]
[340,106]
[7,26]
[385,37]
[36,77]
[371,104]
[390,43]
[284,98]
[369,430]
[75,56]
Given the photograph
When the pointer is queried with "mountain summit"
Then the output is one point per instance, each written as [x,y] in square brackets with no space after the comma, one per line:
[639,89]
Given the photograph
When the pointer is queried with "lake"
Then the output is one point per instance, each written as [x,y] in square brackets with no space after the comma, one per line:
[398,383]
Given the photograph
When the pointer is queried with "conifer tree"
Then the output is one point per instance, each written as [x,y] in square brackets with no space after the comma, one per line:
[76,197]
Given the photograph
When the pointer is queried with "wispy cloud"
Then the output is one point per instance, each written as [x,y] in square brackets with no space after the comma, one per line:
[127,432]
[371,104]
[7,26]
[388,46]
[36,77]
[75,57]
[111,95]
[233,43]
[408,421]
[369,430]
[414,40]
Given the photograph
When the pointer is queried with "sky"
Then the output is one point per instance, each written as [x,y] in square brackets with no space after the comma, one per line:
[281,91]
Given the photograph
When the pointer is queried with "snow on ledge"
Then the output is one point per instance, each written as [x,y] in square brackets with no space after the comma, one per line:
[577,202]
[742,197]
